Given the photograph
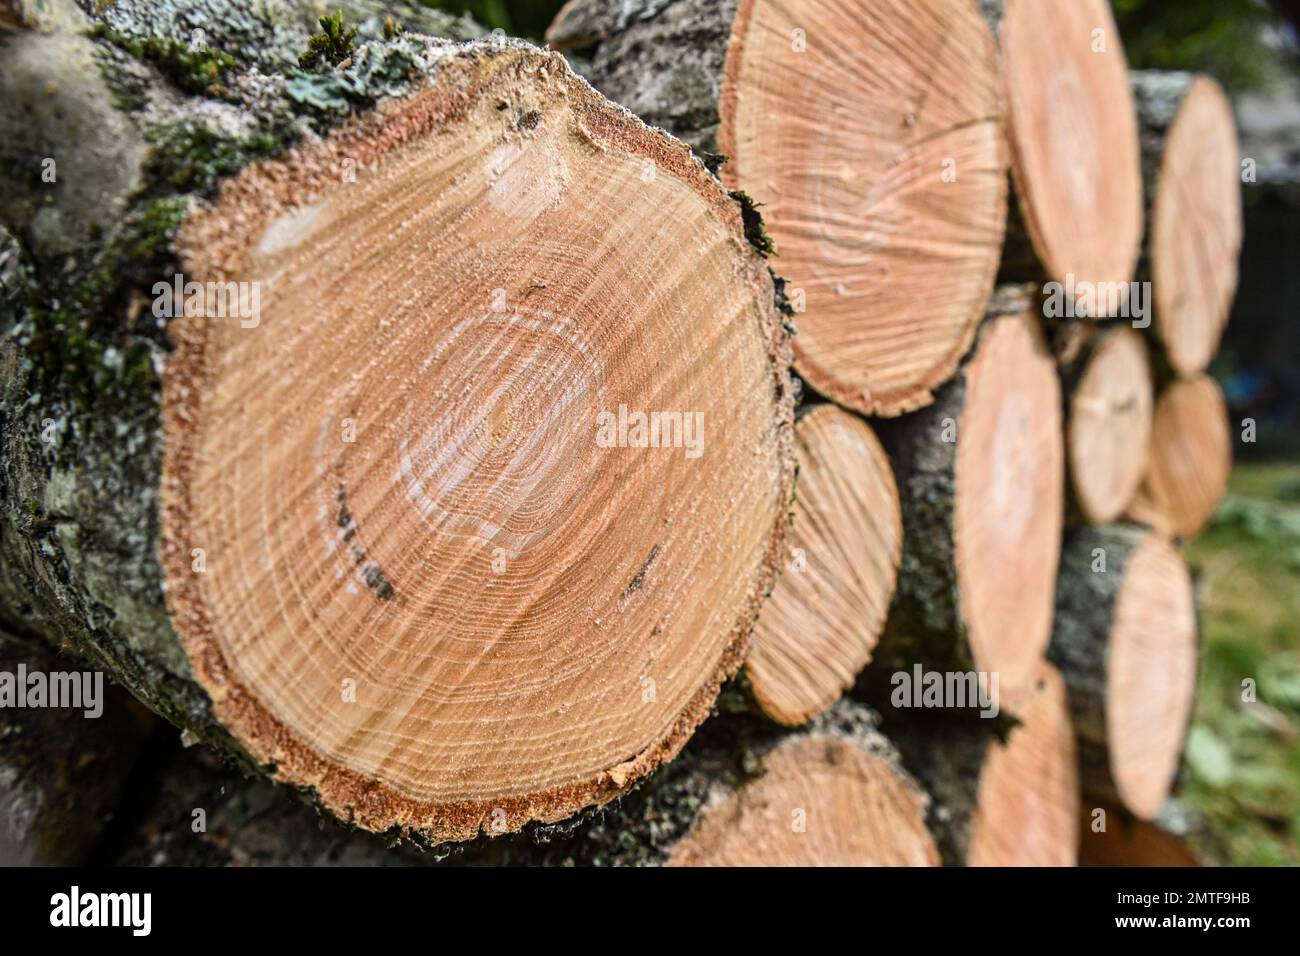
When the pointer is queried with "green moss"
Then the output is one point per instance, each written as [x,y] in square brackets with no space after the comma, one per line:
[193,158]
[332,45]
[375,70]
[194,71]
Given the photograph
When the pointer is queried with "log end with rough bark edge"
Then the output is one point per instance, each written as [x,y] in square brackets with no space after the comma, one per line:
[1150,674]
[1126,642]
[1009,499]
[821,801]
[980,477]
[1195,233]
[438,586]
[871,137]
[1108,424]
[1003,787]
[1027,805]
[1190,460]
[823,619]
[1075,159]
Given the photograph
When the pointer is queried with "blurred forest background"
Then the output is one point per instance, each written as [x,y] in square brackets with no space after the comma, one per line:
[1239,796]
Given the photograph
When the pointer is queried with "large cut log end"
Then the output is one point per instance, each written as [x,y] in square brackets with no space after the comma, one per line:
[460,480]
[981,484]
[1009,499]
[819,627]
[823,799]
[1126,643]
[1150,674]
[1074,141]
[1027,807]
[871,136]
[1194,172]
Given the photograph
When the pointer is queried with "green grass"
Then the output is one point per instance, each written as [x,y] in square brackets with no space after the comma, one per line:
[1243,759]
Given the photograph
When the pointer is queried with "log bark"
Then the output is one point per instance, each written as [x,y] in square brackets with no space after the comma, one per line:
[192,808]
[744,793]
[871,138]
[1003,792]
[1125,639]
[980,477]
[1190,461]
[818,629]
[1075,171]
[1191,168]
[65,755]
[1109,399]
[382,496]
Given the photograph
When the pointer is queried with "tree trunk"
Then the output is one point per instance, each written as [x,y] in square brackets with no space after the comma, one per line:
[1074,147]
[67,744]
[746,794]
[1002,793]
[1108,409]
[402,426]
[1190,461]
[819,627]
[1125,641]
[980,478]
[871,138]
[1192,173]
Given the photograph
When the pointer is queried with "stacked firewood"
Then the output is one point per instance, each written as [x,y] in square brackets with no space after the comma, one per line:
[420,423]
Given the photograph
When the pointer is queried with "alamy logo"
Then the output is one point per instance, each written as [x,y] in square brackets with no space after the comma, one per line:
[80,691]
[946,689]
[209,300]
[1083,300]
[651,430]
[103,909]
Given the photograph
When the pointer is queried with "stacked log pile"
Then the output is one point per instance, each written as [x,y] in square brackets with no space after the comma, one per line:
[413,423]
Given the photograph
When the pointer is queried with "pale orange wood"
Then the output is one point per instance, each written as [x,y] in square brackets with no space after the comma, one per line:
[1190,461]
[821,801]
[1150,674]
[1108,426]
[1075,159]
[1010,493]
[398,478]
[1196,228]
[818,628]
[1027,807]
[871,136]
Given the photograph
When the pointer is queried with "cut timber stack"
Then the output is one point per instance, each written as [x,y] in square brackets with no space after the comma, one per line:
[415,426]
[1191,167]
[398,565]
[980,476]
[870,135]
[1074,143]
[818,629]
[1002,793]
[1108,420]
[1190,459]
[1125,640]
